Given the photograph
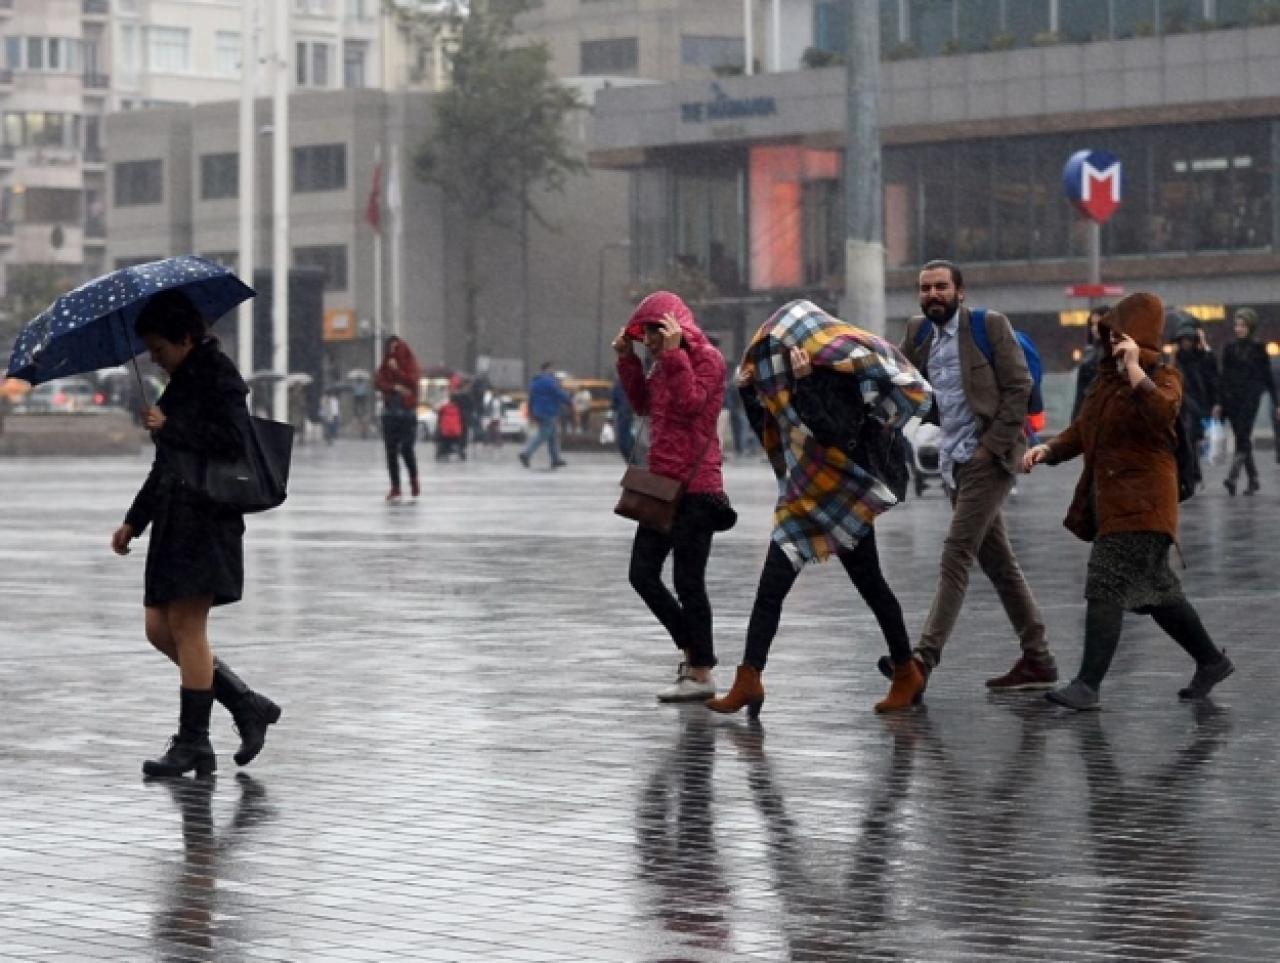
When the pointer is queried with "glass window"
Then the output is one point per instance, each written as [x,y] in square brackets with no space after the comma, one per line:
[55,58]
[1050,214]
[823,219]
[972,187]
[1133,18]
[130,58]
[329,258]
[1025,19]
[1082,20]
[790,240]
[226,53]
[712,52]
[902,205]
[219,176]
[139,182]
[938,191]
[354,54]
[651,221]
[320,65]
[708,223]
[1011,196]
[35,53]
[932,25]
[13,53]
[1179,16]
[979,21]
[320,168]
[831,26]
[609,56]
[1233,13]
[169,49]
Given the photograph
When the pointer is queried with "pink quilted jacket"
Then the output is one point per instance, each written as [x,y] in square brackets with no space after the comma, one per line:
[682,396]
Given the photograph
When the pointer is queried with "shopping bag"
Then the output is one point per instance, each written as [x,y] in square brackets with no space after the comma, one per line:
[1217,442]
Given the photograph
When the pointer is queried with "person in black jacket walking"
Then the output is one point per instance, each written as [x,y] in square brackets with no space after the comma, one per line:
[195,555]
[1246,376]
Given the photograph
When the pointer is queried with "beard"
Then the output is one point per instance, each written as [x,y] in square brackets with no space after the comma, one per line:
[939,310]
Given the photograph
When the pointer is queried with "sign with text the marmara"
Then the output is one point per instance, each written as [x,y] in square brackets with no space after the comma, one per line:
[723,107]
[1092,183]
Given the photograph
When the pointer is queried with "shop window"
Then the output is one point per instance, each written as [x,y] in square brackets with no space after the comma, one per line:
[1011,197]
[1026,19]
[979,21]
[708,221]
[712,52]
[932,25]
[1133,18]
[331,259]
[1083,20]
[901,206]
[779,176]
[1179,16]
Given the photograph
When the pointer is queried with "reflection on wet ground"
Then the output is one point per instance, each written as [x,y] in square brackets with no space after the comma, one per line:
[471,765]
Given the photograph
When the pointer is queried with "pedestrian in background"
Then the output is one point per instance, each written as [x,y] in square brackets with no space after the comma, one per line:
[681,396]
[827,400]
[582,409]
[397,380]
[331,415]
[623,420]
[1094,351]
[1246,376]
[1126,503]
[195,556]
[547,401]
[1199,373]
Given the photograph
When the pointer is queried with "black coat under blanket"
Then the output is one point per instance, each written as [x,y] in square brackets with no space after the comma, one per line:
[196,547]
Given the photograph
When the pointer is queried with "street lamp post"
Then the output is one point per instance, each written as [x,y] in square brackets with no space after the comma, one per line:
[619,245]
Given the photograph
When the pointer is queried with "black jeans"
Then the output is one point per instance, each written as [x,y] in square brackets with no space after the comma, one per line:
[862,562]
[1104,620]
[686,615]
[399,432]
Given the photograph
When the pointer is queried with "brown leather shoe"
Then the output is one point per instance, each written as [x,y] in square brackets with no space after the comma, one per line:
[1026,674]
[747,691]
[907,687]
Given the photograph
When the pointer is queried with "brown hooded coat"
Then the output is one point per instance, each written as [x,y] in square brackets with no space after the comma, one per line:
[1127,436]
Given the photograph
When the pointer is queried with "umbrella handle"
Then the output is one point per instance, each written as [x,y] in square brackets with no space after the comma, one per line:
[142,390]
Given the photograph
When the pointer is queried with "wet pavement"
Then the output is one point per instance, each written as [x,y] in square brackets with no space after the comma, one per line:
[471,764]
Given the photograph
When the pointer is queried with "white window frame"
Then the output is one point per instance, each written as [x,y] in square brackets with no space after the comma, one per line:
[227,53]
[169,50]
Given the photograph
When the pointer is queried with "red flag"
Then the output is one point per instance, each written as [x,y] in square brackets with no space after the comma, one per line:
[373,210]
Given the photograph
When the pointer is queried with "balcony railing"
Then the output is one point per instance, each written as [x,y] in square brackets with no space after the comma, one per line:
[97,81]
[95,8]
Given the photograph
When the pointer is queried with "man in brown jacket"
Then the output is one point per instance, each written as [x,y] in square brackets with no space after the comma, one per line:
[981,397]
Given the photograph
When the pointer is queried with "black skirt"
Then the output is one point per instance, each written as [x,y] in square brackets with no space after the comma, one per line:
[1131,569]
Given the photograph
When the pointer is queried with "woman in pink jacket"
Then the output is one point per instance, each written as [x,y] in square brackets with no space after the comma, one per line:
[681,397]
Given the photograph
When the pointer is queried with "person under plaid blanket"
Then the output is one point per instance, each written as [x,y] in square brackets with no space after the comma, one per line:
[827,400]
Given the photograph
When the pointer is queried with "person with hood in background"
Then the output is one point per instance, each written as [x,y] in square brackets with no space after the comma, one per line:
[826,400]
[1126,503]
[1094,351]
[397,379]
[681,397]
[1246,376]
[1199,373]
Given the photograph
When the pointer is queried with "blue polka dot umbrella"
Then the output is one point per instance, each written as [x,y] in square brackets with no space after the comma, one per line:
[92,327]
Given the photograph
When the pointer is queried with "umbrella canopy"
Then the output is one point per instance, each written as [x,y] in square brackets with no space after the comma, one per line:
[358,374]
[298,379]
[92,327]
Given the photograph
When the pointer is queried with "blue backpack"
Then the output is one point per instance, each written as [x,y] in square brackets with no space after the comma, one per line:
[978,327]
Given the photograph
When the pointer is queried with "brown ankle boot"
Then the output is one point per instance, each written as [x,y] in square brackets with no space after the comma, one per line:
[747,691]
[908,684]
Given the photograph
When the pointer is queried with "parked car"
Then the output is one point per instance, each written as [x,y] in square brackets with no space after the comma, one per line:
[65,395]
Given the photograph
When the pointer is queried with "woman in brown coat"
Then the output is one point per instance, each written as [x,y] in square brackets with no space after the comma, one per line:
[1127,502]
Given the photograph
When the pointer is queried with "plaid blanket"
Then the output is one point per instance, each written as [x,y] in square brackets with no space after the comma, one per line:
[825,501]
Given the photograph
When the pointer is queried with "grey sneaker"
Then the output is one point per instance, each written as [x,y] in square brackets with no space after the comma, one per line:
[1206,677]
[687,688]
[1076,695]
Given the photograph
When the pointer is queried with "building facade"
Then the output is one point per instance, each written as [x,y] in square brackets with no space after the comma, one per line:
[737,184]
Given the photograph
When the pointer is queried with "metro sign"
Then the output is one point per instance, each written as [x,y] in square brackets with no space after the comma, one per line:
[1091,180]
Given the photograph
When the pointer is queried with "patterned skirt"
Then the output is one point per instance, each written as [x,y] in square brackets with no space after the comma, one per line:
[1131,569]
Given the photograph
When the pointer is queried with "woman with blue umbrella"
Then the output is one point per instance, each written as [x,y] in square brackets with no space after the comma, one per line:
[195,556]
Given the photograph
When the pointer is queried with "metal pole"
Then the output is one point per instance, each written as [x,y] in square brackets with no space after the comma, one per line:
[280,211]
[775,38]
[377,267]
[1095,258]
[748,39]
[864,302]
[600,309]
[248,175]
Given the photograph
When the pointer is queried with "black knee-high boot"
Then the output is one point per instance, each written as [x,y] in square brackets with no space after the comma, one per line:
[190,747]
[1102,624]
[251,711]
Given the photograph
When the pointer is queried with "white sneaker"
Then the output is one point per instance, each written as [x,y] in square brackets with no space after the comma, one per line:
[687,688]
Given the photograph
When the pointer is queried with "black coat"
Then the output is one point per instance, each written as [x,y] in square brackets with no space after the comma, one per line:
[1246,376]
[830,405]
[196,547]
[1199,381]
